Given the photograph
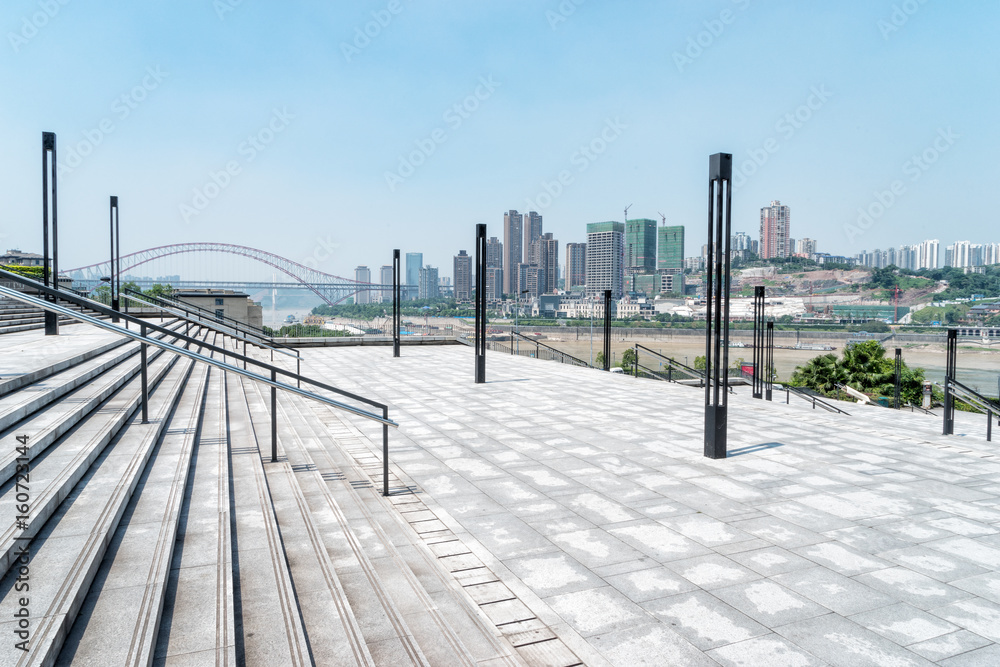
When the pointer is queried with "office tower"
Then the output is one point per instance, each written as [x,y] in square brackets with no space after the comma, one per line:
[605,258]
[534,280]
[513,223]
[494,284]
[775,227]
[532,233]
[640,246]
[807,247]
[386,280]
[494,253]
[549,256]
[363,275]
[576,265]
[428,285]
[414,262]
[670,254]
[463,277]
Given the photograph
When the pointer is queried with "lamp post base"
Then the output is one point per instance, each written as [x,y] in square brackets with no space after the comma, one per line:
[715,431]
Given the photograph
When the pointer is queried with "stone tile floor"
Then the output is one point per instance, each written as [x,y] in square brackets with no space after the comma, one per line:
[823,539]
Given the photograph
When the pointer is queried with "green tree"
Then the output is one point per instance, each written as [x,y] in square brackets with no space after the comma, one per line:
[867,368]
[599,360]
[822,374]
[628,359]
[700,363]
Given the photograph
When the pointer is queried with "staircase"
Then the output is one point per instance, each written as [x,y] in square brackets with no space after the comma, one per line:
[179,541]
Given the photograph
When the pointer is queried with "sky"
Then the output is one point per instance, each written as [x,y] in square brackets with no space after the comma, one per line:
[332,132]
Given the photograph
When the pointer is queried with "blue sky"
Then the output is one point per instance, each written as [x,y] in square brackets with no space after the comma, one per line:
[357,147]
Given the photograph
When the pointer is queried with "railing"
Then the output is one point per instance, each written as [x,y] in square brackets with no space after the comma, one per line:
[972,397]
[673,364]
[812,398]
[550,352]
[145,339]
[213,323]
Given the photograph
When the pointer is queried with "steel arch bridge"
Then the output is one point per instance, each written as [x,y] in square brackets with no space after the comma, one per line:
[332,289]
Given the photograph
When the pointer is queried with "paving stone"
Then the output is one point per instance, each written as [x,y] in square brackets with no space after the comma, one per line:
[705,530]
[652,644]
[780,532]
[769,603]
[949,645]
[769,650]
[834,591]
[650,584]
[658,541]
[841,558]
[595,547]
[912,587]
[903,624]
[771,560]
[597,610]
[843,643]
[704,620]
[553,574]
[978,615]
[933,563]
[712,571]
[988,656]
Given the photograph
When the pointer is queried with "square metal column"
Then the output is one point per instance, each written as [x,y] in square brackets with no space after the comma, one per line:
[769,362]
[50,270]
[481,304]
[720,199]
[899,375]
[951,362]
[116,254]
[396,310]
[758,341]
[607,330]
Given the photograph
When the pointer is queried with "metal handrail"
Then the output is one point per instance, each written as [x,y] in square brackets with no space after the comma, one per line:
[179,303]
[973,397]
[549,347]
[815,400]
[211,324]
[676,363]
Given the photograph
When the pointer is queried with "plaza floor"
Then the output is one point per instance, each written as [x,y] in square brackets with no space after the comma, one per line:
[855,540]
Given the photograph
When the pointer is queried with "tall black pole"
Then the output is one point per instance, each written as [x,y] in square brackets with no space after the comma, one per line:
[115,258]
[720,178]
[50,276]
[758,341]
[395,303]
[951,361]
[899,375]
[607,330]
[769,362]
[481,304]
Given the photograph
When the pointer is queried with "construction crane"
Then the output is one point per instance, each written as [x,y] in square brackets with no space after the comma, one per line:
[626,212]
[663,218]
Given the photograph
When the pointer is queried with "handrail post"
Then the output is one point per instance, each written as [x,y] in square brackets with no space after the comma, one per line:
[635,360]
[989,426]
[145,377]
[949,399]
[274,418]
[385,453]
[298,369]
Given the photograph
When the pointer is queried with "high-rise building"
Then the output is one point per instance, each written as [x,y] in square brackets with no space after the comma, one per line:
[640,246]
[494,253]
[363,275]
[414,262]
[930,254]
[605,258]
[463,277]
[807,247]
[549,262]
[532,234]
[775,228]
[494,284]
[513,228]
[386,279]
[670,254]
[428,286]
[576,265]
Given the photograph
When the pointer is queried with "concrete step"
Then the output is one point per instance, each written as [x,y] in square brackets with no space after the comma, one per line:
[335,636]
[50,422]
[134,572]
[79,433]
[67,550]
[271,625]
[50,355]
[197,626]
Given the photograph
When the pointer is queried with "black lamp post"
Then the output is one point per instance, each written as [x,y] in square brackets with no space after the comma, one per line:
[116,252]
[480,303]
[50,276]
[720,199]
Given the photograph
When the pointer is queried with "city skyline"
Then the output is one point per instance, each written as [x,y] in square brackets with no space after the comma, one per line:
[228,124]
